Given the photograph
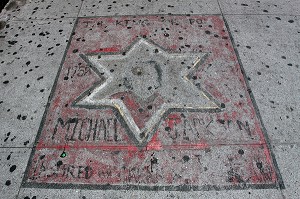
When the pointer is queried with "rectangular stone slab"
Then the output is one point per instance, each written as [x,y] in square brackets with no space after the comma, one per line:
[148,134]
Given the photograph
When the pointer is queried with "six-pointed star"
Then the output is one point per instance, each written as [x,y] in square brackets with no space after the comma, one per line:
[146,70]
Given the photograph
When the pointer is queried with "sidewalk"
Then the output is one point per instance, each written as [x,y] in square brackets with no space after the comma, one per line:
[150,99]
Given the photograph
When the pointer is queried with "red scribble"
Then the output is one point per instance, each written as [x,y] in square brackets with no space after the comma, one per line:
[199,146]
[258,130]
[106,50]
[173,119]
[270,163]
[214,91]
[155,143]
[102,147]
[57,102]
[261,167]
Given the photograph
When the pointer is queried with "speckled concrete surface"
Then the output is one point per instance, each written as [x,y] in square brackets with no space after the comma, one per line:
[265,35]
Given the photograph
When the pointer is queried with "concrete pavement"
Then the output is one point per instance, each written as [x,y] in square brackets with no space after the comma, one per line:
[149,99]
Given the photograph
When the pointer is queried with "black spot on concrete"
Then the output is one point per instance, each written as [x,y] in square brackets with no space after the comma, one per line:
[221,121]
[234,176]
[25,143]
[278,18]
[59,163]
[8,157]
[12,168]
[8,182]
[241,151]
[265,11]
[291,21]
[167,128]
[12,42]
[259,165]
[7,136]
[222,105]
[42,34]
[75,50]
[149,107]
[12,139]
[185,158]
[207,32]
[272,101]
[153,161]
[39,78]
[142,135]
[249,47]
[6,82]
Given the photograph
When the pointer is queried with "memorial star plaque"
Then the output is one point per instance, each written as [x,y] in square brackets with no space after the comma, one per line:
[154,103]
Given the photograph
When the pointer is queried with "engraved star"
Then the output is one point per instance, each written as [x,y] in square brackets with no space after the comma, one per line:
[147,72]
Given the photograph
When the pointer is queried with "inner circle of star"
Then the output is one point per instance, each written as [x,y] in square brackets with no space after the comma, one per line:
[146,70]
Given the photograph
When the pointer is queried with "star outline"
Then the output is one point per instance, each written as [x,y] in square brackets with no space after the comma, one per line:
[118,107]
